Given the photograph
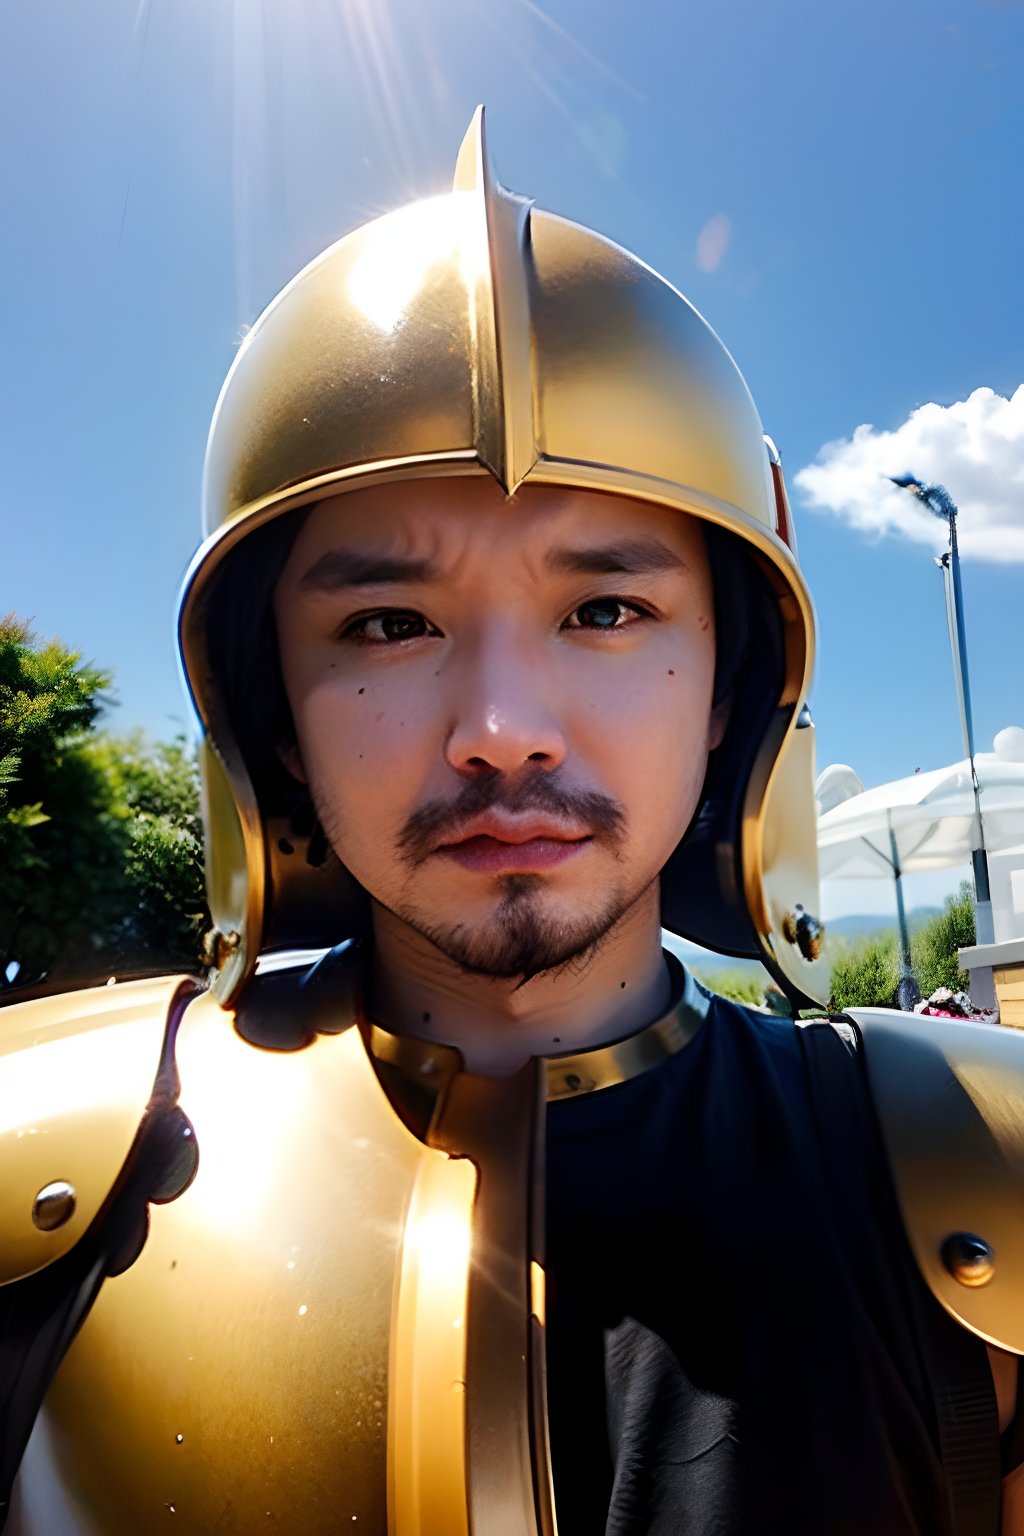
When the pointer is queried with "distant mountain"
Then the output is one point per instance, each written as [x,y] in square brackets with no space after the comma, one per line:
[856,925]
[706,961]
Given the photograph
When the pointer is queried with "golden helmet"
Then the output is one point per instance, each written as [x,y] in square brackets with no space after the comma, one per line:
[471,334]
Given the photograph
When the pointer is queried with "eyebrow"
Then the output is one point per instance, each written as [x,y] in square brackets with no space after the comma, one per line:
[631,557]
[363,568]
[339,568]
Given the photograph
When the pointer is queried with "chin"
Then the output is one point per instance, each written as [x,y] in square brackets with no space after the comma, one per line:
[523,934]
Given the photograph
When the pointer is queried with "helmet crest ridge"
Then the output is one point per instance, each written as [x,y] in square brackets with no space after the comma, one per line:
[503,402]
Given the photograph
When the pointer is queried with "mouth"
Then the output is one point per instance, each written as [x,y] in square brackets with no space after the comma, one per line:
[506,845]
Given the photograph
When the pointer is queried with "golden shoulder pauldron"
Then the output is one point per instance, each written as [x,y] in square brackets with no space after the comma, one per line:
[950,1100]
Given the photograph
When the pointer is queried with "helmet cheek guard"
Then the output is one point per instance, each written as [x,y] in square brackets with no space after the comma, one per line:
[473,334]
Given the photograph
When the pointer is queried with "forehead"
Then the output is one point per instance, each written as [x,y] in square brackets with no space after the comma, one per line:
[451,523]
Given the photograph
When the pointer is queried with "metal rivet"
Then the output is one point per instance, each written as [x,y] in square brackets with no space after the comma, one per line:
[53,1206]
[218,947]
[969,1258]
[804,930]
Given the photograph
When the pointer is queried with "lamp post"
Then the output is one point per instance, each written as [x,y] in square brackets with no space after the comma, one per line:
[907,990]
[941,504]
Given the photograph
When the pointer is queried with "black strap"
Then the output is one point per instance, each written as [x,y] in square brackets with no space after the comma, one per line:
[39,1317]
[955,1360]
[1013,1434]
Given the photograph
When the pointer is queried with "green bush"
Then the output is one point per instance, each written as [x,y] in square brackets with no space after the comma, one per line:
[933,947]
[865,974]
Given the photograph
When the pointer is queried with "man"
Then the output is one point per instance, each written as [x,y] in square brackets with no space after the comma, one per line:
[500,649]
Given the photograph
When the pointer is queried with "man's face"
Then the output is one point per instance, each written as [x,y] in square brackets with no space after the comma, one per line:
[503,709]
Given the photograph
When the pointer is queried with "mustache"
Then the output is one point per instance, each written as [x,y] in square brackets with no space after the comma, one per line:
[443,821]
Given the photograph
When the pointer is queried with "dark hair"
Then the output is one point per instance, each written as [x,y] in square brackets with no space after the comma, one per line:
[733,580]
[244,658]
[702,883]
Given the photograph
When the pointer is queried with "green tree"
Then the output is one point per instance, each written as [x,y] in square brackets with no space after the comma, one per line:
[100,840]
[934,946]
[58,859]
[154,795]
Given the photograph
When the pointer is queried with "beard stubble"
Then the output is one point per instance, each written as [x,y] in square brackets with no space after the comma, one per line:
[521,938]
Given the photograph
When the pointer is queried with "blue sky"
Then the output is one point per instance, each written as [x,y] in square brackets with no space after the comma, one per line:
[837,187]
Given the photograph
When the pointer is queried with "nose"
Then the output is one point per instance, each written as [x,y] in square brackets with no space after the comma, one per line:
[501,712]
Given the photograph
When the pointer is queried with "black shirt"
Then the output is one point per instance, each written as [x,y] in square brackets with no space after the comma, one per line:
[735,1323]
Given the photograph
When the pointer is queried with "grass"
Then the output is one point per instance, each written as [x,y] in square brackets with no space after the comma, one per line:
[740,986]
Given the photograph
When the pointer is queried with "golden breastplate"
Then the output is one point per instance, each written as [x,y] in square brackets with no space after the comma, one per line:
[339,1324]
[290,1351]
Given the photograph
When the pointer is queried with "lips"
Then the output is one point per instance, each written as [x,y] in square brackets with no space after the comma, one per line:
[497,844]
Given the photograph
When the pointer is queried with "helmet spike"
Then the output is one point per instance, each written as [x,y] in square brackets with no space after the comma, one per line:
[506,438]
[471,168]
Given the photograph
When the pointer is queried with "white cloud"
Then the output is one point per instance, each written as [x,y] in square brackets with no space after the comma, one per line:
[975,448]
[713,242]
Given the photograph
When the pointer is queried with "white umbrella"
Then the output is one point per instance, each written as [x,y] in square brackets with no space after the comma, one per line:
[927,821]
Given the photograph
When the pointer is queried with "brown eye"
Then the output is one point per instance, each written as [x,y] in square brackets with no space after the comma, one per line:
[389,628]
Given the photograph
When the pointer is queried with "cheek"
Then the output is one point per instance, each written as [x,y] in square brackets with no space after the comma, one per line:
[362,747]
[662,690]
[646,732]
